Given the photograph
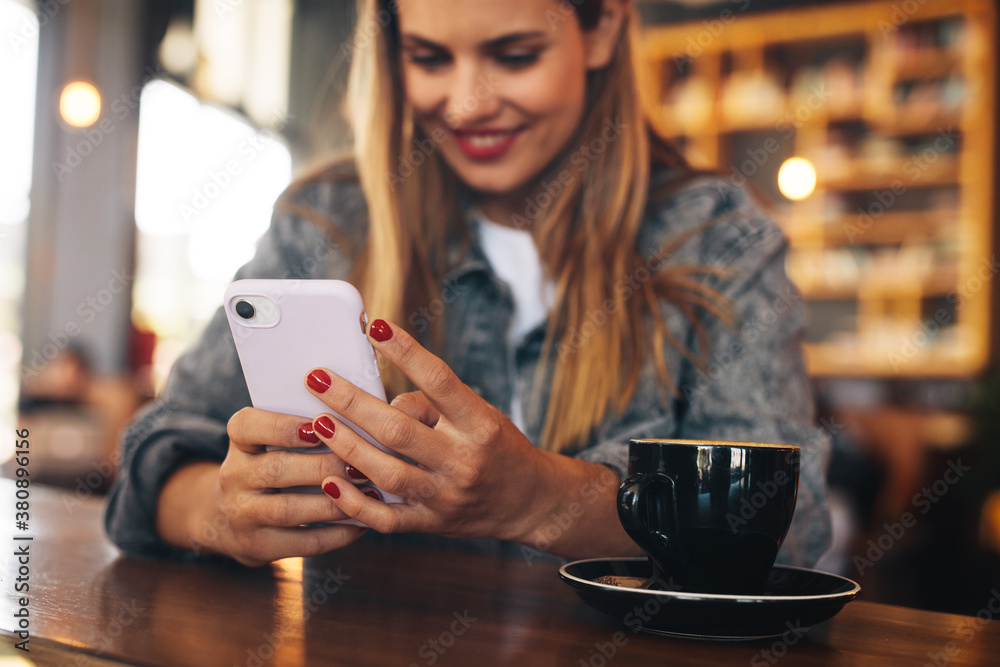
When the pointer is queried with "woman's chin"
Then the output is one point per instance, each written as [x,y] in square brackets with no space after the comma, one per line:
[494,188]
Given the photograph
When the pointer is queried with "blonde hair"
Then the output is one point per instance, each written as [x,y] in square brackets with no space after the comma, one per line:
[586,236]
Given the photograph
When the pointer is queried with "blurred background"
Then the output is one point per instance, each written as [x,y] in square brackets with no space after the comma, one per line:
[147,141]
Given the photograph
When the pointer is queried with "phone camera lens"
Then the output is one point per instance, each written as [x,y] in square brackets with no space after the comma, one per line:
[245,309]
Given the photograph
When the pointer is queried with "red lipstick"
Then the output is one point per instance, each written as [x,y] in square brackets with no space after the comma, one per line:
[486,144]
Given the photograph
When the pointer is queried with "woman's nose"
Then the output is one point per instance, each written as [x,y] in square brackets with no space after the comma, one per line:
[473,97]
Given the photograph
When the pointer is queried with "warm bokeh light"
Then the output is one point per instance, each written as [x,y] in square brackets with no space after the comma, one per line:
[80,104]
[797,178]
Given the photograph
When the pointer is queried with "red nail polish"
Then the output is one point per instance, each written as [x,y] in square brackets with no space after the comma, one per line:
[325,426]
[330,489]
[306,433]
[379,330]
[373,493]
[354,473]
[318,381]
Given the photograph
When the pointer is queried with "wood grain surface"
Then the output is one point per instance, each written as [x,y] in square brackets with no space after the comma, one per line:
[371,604]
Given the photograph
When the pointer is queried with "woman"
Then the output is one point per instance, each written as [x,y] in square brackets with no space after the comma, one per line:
[510,205]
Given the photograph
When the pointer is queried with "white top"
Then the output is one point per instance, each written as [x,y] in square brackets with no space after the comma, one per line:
[514,258]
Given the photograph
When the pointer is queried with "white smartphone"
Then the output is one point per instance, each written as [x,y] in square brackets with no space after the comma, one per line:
[285,328]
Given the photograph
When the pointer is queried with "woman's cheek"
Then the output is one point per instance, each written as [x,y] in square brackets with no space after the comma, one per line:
[422,92]
[549,94]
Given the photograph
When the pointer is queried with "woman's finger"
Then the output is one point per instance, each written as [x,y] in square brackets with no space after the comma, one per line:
[416,405]
[451,397]
[384,470]
[271,544]
[281,469]
[251,430]
[289,510]
[382,517]
[386,424]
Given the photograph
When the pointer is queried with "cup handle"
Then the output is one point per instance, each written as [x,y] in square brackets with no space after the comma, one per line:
[659,545]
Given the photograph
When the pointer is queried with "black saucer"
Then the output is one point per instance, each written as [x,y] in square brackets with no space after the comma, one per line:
[794,598]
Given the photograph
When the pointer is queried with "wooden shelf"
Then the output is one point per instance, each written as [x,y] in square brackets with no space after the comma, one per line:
[939,284]
[931,227]
[931,64]
[906,127]
[853,360]
[848,114]
[906,172]
[911,119]
[752,124]
[711,126]
[890,228]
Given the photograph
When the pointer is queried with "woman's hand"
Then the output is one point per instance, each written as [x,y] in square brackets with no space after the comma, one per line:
[476,474]
[238,511]
[474,464]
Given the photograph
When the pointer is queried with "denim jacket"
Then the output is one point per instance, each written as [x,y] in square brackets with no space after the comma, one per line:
[754,388]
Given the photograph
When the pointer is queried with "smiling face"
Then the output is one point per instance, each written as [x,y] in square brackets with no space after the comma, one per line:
[502,81]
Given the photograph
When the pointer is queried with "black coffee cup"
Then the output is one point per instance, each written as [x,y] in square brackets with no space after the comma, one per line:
[710,515]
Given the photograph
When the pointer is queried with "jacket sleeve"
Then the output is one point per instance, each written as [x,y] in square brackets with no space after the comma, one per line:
[205,388]
[754,387]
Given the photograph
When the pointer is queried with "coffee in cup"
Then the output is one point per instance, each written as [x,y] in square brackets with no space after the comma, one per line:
[710,515]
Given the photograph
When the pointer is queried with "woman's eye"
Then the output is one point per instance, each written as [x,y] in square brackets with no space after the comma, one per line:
[428,61]
[517,60]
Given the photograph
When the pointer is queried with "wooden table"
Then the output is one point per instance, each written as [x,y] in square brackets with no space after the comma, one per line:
[368,604]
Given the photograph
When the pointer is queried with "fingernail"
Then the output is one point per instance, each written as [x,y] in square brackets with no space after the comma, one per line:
[330,489]
[306,433]
[379,330]
[318,381]
[325,426]
[373,493]
[354,473]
